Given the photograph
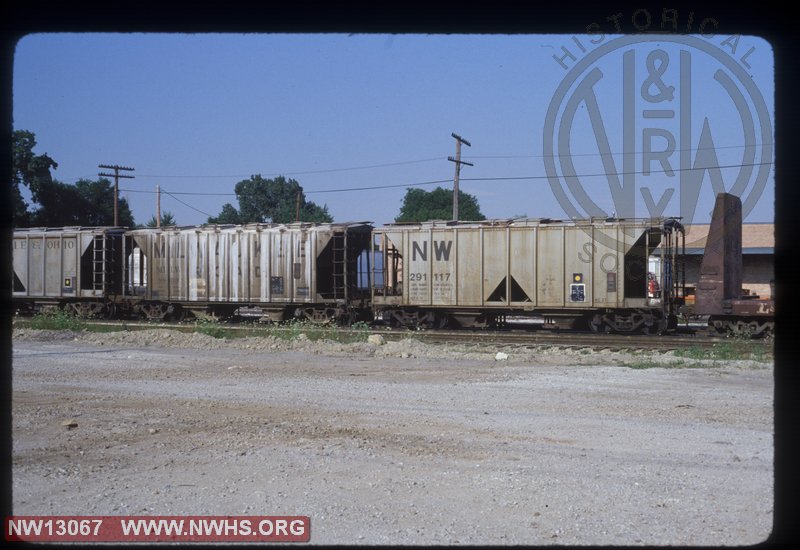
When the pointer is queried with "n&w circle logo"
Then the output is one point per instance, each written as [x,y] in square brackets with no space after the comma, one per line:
[668,120]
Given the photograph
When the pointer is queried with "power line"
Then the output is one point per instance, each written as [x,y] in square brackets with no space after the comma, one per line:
[380,187]
[609,154]
[418,161]
[306,192]
[188,205]
[633,173]
[434,182]
[401,163]
[306,172]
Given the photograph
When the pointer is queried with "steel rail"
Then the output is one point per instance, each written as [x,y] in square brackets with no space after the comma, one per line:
[478,338]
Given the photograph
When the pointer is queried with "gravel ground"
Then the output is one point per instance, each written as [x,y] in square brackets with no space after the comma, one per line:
[396,443]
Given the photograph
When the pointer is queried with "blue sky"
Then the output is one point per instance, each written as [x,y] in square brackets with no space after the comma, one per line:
[198,113]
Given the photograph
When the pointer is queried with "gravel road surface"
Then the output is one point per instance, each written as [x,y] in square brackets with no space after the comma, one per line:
[396,443]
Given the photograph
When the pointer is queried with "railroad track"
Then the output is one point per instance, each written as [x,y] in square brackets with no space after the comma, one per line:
[571,340]
[683,339]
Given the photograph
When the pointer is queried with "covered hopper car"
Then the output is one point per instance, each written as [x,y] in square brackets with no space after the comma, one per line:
[269,271]
[591,274]
[570,274]
[81,269]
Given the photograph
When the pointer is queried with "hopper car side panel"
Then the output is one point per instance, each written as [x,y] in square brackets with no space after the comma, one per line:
[75,267]
[261,270]
[478,271]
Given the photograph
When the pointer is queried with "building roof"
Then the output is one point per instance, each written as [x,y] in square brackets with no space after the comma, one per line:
[757,238]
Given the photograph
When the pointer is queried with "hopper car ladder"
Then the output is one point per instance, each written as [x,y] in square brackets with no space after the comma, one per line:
[102,269]
[339,266]
[99,263]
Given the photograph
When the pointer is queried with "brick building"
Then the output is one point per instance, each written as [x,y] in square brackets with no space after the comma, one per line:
[758,256]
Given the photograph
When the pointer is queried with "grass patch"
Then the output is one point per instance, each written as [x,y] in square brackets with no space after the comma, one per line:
[679,364]
[57,320]
[732,349]
[211,327]
[736,348]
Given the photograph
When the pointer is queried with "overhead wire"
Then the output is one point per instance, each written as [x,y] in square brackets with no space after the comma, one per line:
[299,173]
[610,154]
[434,182]
[494,178]
[418,161]
[186,204]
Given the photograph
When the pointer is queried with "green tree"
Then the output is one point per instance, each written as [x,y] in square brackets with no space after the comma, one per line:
[275,200]
[420,206]
[57,204]
[167,218]
[20,217]
[30,170]
[99,195]
[88,202]
[229,214]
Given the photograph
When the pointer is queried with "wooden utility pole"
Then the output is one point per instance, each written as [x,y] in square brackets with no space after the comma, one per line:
[297,208]
[158,206]
[116,175]
[459,162]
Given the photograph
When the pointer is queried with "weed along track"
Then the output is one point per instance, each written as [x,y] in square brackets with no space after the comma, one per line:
[698,345]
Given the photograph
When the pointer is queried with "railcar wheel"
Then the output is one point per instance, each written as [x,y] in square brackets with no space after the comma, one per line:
[178,314]
[87,310]
[427,320]
[110,311]
[596,324]
[414,319]
[657,328]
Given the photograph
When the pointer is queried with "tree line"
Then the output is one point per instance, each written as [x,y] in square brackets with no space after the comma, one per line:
[55,204]
[277,200]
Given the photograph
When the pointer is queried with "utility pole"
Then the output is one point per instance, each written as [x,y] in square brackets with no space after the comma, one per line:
[459,162]
[116,175]
[158,206]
